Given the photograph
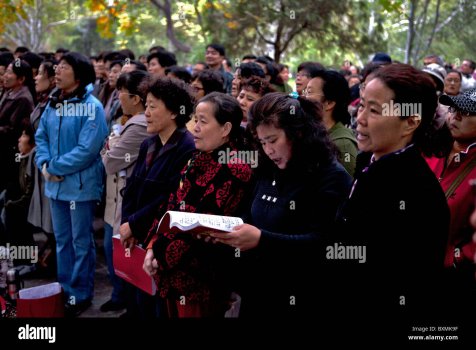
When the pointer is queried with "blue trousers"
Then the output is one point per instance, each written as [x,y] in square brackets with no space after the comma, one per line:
[118,293]
[75,248]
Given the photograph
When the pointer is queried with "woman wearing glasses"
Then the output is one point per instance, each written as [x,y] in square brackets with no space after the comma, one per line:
[119,156]
[454,172]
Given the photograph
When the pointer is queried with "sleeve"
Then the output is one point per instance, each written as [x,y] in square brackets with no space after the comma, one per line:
[141,220]
[347,154]
[126,151]
[90,142]
[42,142]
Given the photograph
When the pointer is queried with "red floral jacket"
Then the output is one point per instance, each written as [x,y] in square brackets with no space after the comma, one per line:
[189,267]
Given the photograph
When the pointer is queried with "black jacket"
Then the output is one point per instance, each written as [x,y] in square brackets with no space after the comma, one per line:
[147,189]
[398,211]
[295,211]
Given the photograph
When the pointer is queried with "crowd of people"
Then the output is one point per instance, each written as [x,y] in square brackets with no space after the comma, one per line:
[358,171]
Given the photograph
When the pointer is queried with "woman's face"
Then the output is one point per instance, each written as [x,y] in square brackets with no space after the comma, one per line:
[10,79]
[452,84]
[302,79]
[114,73]
[462,128]
[64,77]
[159,119]
[24,144]
[198,89]
[128,101]
[276,144]
[235,84]
[378,132]
[208,134]
[246,98]
[42,81]
[155,68]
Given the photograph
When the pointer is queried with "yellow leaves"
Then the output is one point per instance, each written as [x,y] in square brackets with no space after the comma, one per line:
[232,24]
[228,15]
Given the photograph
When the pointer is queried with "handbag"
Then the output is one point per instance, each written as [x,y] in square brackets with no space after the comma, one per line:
[46,301]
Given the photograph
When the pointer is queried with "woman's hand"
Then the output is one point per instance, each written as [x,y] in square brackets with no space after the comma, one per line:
[127,240]
[243,237]
[150,263]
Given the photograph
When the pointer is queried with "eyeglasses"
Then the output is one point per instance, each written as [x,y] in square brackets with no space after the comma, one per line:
[127,93]
[62,67]
[453,110]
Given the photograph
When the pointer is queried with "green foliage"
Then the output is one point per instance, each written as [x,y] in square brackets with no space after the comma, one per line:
[293,30]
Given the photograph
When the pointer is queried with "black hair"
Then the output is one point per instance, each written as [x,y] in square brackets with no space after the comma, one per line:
[47,55]
[62,50]
[23,70]
[6,58]
[249,69]
[180,73]
[115,63]
[175,95]
[32,58]
[249,57]
[226,109]
[30,132]
[83,70]
[4,49]
[257,85]
[218,47]
[21,49]
[156,48]
[211,80]
[448,72]
[165,58]
[103,54]
[311,67]
[336,88]
[49,66]
[301,120]
[139,65]
[134,83]
[114,56]
[128,53]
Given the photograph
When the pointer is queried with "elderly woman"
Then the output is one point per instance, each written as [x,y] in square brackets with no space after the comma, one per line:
[300,187]
[189,269]
[157,171]
[396,210]
[69,138]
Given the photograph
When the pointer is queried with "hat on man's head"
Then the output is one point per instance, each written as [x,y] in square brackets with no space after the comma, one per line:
[438,74]
[382,57]
[465,102]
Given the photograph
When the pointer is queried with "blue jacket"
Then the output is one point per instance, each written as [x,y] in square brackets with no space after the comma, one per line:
[69,139]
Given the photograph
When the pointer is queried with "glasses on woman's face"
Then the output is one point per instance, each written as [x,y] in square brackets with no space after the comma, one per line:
[461,113]
[62,67]
[127,93]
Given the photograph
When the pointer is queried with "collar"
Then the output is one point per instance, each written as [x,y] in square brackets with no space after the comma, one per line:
[400,151]
[14,95]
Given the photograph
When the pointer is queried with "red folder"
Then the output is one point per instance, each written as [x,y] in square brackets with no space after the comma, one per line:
[128,266]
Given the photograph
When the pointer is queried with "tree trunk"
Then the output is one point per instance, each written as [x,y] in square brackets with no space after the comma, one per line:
[166,8]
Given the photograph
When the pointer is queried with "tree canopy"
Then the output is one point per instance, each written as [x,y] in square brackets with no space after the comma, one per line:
[289,30]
